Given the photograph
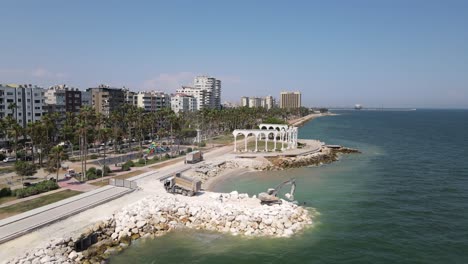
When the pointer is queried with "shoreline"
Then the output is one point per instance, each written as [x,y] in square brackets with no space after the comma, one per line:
[223,176]
[303,120]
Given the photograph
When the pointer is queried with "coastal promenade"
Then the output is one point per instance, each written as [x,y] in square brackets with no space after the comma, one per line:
[18,225]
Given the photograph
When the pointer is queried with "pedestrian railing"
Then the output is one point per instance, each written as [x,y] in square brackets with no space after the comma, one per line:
[123,183]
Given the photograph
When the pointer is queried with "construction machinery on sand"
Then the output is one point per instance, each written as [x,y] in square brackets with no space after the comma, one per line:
[270,197]
[182,185]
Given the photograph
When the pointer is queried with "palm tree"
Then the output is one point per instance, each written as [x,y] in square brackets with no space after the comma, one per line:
[85,119]
[57,155]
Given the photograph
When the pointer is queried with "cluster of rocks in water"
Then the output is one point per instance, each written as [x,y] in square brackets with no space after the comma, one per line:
[153,216]
[325,156]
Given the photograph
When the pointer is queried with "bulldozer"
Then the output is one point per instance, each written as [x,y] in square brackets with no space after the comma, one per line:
[270,197]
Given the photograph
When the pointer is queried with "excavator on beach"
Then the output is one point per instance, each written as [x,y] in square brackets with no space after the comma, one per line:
[270,197]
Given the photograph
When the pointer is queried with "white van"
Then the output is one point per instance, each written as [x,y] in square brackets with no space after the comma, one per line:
[9,159]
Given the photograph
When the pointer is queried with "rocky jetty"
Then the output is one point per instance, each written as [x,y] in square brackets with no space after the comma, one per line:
[233,213]
[325,156]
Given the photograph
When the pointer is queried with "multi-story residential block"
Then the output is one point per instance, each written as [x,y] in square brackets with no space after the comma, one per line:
[24,103]
[106,99]
[244,101]
[62,99]
[86,98]
[290,100]
[153,101]
[255,102]
[130,97]
[200,95]
[212,86]
[183,103]
[269,102]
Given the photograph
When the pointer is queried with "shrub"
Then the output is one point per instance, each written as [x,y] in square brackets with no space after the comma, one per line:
[182,153]
[125,167]
[107,170]
[189,150]
[93,156]
[167,156]
[130,163]
[91,173]
[141,161]
[2,156]
[41,187]
[4,192]
[155,158]
[202,144]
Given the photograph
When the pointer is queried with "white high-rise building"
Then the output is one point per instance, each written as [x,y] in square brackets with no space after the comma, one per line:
[255,102]
[183,103]
[22,102]
[244,101]
[200,95]
[212,86]
[269,102]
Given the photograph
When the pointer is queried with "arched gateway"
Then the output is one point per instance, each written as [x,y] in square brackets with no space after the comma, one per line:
[283,135]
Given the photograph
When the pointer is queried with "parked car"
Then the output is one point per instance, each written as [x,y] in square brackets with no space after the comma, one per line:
[9,159]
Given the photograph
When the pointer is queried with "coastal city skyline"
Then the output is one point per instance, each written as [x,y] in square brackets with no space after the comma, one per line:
[273,48]
[233,131]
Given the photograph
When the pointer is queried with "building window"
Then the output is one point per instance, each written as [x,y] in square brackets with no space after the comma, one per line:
[37,114]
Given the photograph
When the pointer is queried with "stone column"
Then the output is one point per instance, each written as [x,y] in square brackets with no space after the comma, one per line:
[245,138]
[282,141]
[274,148]
[235,143]
[256,143]
[266,143]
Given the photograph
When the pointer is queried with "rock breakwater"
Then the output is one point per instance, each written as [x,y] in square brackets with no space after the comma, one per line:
[324,156]
[155,215]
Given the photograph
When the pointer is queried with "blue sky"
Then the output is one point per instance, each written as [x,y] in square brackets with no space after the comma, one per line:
[337,53]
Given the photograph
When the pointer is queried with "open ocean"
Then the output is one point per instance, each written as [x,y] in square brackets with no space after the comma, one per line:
[403,200]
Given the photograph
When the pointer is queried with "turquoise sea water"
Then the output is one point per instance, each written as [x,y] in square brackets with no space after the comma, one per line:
[403,200]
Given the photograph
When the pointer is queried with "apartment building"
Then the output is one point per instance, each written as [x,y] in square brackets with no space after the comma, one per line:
[22,102]
[183,103]
[153,101]
[62,99]
[106,99]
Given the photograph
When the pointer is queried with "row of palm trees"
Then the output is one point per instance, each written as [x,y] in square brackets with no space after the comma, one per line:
[127,123]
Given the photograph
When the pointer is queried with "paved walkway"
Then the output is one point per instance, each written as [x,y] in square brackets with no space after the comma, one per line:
[22,223]
[75,185]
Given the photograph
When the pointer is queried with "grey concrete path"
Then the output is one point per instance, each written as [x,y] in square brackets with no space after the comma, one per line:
[20,224]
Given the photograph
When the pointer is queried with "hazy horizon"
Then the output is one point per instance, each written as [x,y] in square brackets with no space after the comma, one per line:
[379,54]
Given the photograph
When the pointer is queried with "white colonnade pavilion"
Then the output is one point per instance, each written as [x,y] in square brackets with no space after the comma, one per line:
[284,136]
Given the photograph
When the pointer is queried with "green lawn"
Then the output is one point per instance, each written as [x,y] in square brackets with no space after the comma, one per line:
[35,203]
[7,199]
[261,145]
[222,139]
